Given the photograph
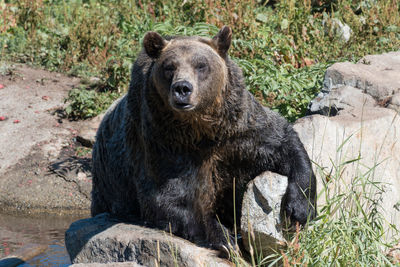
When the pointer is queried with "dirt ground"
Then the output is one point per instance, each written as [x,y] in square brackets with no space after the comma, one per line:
[42,167]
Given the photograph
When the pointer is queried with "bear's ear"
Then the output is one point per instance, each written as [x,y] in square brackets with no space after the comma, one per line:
[222,41]
[153,43]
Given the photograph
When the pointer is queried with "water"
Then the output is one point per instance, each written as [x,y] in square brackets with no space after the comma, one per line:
[18,231]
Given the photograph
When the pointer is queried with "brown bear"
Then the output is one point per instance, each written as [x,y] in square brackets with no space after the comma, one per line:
[170,150]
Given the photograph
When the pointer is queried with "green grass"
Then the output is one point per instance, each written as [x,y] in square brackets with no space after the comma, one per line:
[272,43]
[349,228]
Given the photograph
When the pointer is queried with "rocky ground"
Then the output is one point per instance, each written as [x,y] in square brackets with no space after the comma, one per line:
[41,169]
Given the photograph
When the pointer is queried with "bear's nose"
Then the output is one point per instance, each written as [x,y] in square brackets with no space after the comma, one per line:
[182,89]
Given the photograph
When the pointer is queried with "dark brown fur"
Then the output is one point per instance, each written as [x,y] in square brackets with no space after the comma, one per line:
[170,149]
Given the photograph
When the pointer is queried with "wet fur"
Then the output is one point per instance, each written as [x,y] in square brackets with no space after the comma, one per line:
[171,168]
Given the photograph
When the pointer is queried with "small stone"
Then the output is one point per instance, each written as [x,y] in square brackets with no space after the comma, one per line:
[82,176]
[94,80]
[341,29]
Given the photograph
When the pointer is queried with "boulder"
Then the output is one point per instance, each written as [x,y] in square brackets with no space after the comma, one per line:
[347,98]
[103,239]
[361,138]
[260,223]
[376,75]
[347,147]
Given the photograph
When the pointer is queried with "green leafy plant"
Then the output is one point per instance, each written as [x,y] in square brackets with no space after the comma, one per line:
[84,104]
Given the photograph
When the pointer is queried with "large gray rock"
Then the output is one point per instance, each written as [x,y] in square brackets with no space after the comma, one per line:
[374,80]
[362,138]
[376,75]
[260,222]
[347,98]
[104,240]
[347,147]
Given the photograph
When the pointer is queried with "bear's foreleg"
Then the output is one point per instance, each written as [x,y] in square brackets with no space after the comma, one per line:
[300,198]
[209,185]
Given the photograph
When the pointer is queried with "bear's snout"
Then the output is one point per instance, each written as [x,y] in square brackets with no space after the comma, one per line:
[180,92]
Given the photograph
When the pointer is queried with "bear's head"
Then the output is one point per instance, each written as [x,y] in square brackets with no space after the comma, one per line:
[189,73]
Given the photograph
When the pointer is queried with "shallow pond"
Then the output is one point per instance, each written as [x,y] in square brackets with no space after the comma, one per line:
[18,231]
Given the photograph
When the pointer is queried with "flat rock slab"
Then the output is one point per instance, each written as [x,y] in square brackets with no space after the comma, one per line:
[376,75]
[344,98]
[104,240]
[33,138]
[373,80]
[31,102]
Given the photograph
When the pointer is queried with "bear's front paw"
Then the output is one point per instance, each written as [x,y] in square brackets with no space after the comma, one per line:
[226,247]
[222,239]
[298,210]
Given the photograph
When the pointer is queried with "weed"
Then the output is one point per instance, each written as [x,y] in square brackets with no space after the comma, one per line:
[84,103]
[84,152]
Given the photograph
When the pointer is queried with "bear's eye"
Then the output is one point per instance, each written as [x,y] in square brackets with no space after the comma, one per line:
[201,66]
[169,67]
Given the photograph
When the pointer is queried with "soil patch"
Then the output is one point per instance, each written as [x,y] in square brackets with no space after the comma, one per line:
[42,166]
